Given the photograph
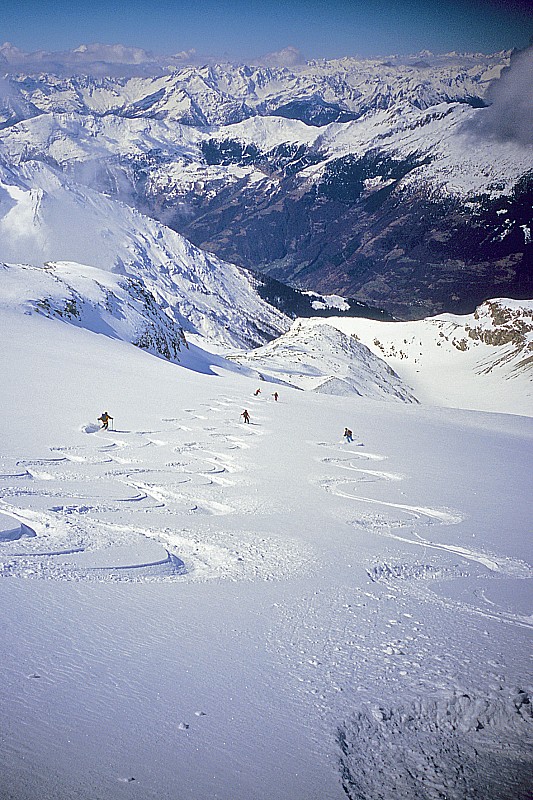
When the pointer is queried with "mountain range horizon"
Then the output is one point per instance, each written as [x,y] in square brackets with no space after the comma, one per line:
[405,184]
[97,58]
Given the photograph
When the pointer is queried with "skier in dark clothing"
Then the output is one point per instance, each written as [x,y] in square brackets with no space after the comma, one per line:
[275,396]
[245,415]
[104,419]
[348,435]
[257,392]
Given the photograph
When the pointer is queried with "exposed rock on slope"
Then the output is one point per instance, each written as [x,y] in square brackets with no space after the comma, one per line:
[315,356]
[114,305]
[482,360]
[389,182]
[43,219]
[499,324]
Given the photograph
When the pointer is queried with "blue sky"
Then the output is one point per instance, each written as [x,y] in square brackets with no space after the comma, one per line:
[245,29]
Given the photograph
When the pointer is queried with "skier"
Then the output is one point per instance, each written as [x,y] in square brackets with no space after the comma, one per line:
[104,419]
[257,392]
[275,396]
[348,435]
[245,415]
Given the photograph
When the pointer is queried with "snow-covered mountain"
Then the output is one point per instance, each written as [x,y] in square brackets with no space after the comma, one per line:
[95,160]
[44,219]
[318,92]
[405,183]
[313,355]
[117,306]
[482,360]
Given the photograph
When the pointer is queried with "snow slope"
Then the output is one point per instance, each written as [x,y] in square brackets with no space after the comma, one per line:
[193,607]
[199,608]
[319,358]
[45,219]
[108,304]
[481,361]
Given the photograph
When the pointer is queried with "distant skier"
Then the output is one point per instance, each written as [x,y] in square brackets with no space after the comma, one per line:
[104,419]
[348,435]
[245,415]
[257,392]
[275,396]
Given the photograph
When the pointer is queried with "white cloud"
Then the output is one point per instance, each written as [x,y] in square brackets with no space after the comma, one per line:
[288,57]
[510,115]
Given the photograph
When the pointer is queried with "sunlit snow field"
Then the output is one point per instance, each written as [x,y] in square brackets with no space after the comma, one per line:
[195,608]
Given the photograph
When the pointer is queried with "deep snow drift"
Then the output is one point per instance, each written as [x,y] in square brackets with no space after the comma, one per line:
[196,608]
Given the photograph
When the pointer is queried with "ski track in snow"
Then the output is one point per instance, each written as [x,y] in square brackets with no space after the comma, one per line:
[384,527]
[136,506]
[63,509]
[456,744]
[436,721]
[333,637]
[71,498]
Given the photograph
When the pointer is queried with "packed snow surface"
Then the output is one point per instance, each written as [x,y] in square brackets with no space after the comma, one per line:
[196,607]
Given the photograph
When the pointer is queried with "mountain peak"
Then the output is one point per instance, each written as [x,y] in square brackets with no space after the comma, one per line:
[315,356]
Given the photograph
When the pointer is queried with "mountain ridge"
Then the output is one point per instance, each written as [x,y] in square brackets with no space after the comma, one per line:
[44,220]
[481,361]
[403,183]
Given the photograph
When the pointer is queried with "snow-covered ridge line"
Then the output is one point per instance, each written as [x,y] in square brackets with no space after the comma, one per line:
[323,91]
[313,355]
[113,305]
[44,219]
[482,360]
